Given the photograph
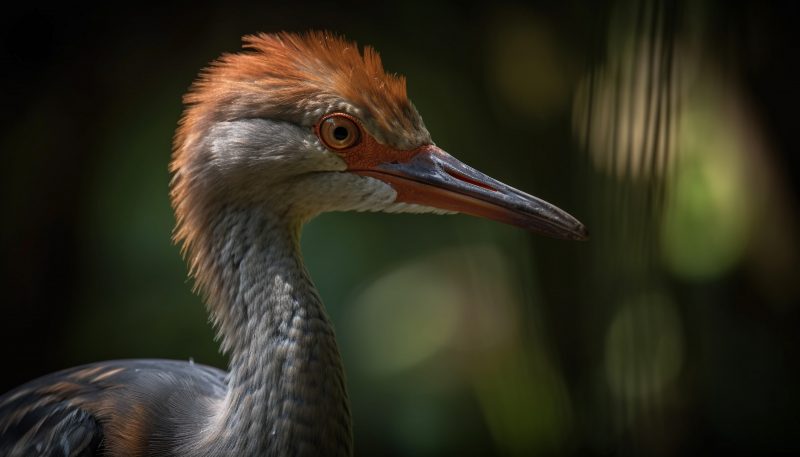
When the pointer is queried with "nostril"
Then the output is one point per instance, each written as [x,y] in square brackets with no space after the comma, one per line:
[465,178]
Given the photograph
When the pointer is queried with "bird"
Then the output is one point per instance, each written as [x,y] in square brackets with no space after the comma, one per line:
[290,126]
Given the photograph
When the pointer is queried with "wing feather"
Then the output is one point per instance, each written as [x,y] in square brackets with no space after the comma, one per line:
[107,408]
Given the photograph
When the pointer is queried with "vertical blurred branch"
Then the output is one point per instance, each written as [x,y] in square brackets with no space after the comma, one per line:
[625,119]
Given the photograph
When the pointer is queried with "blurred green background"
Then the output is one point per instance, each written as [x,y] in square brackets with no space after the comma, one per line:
[668,128]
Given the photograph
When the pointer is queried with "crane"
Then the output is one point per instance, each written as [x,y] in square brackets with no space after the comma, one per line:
[292,126]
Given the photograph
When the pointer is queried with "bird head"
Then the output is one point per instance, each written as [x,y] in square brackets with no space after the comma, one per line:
[307,123]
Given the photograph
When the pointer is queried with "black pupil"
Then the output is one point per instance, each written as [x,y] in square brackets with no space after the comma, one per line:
[341,133]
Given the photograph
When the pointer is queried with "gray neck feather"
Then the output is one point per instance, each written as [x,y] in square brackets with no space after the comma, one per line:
[286,389]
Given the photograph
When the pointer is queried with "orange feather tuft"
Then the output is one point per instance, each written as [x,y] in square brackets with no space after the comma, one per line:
[288,75]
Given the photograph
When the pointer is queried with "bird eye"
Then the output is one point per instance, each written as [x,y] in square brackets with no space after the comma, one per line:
[339,131]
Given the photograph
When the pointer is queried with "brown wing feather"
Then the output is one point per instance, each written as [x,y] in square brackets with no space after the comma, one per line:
[115,407]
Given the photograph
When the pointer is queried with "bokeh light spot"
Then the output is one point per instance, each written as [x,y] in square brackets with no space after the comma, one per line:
[644,347]
[407,316]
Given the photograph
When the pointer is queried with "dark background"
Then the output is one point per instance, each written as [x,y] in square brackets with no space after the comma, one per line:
[674,330]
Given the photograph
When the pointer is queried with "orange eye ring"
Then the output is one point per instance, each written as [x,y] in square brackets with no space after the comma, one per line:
[338,131]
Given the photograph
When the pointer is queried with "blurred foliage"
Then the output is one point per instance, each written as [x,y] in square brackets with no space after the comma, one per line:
[664,126]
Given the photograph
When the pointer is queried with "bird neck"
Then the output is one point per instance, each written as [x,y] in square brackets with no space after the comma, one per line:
[286,390]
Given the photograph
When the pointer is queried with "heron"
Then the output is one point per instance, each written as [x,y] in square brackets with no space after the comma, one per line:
[291,126]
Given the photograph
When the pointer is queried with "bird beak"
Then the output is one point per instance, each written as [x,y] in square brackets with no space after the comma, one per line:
[434,178]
